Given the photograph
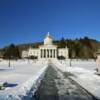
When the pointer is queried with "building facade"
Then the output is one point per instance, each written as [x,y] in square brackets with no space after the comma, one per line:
[46,51]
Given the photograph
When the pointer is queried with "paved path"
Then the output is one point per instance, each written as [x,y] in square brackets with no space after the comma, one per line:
[58,86]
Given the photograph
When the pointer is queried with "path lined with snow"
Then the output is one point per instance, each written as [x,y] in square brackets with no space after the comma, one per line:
[57,86]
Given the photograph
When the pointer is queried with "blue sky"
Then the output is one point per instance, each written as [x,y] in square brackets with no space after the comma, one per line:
[25,21]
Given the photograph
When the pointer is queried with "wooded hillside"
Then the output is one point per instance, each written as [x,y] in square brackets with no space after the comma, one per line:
[84,48]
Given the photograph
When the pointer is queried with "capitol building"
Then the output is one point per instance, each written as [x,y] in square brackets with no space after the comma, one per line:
[46,51]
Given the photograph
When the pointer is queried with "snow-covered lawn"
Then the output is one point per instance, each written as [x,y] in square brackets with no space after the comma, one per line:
[21,76]
[84,74]
[24,75]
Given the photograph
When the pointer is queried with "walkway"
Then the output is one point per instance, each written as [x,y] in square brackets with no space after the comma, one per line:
[58,86]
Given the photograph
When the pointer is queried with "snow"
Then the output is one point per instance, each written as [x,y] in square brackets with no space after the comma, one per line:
[83,73]
[25,75]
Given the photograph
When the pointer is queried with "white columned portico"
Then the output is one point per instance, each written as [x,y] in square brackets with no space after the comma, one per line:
[48,53]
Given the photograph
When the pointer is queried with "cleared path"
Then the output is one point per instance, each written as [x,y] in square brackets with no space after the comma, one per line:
[58,86]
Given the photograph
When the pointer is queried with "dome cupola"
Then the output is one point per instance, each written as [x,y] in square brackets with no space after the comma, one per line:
[48,40]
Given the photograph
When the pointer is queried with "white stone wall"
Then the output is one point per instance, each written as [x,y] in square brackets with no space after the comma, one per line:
[24,54]
[33,52]
[63,52]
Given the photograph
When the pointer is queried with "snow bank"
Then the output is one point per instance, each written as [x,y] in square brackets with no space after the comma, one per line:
[28,88]
[84,74]
[31,74]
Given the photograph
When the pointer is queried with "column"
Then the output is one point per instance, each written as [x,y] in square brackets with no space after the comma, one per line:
[46,53]
[55,53]
[52,54]
[41,54]
[49,53]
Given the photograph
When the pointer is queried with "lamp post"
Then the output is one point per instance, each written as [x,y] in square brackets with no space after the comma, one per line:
[9,63]
[11,57]
[70,62]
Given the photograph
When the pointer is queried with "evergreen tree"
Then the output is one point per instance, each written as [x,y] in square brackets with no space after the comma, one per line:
[62,43]
[11,52]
